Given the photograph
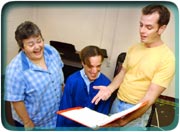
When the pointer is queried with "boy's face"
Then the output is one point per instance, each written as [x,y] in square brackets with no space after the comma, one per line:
[93,68]
[34,48]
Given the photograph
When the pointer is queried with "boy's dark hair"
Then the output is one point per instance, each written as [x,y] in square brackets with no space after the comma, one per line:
[90,51]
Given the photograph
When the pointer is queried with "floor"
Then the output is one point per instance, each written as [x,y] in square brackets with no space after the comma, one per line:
[166,114]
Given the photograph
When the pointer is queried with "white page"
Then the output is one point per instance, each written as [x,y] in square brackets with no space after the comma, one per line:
[119,114]
[94,119]
[86,116]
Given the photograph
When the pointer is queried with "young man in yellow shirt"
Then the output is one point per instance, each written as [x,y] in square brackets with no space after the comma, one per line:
[146,72]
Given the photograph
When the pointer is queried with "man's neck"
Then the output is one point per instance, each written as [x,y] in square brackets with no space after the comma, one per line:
[154,44]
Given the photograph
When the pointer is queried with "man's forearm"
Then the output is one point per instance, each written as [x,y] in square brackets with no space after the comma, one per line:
[117,81]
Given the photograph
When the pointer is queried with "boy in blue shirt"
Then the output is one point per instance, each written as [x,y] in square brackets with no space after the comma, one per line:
[79,90]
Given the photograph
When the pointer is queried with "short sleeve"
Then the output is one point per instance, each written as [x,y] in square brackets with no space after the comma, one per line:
[14,86]
[165,73]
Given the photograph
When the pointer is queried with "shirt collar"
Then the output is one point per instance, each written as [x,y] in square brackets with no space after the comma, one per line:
[28,64]
[85,77]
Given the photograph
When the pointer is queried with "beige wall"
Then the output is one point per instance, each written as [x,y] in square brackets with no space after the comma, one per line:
[112,27]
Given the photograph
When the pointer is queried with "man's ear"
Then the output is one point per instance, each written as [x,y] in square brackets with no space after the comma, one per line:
[161,29]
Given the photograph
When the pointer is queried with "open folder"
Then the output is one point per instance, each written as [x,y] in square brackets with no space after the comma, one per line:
[94,119]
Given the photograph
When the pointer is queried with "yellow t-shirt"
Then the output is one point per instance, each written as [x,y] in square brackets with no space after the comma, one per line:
[145,65]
